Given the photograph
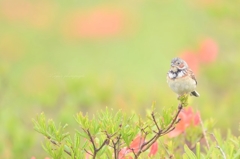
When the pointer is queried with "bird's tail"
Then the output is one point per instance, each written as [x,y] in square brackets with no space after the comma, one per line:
[195,93]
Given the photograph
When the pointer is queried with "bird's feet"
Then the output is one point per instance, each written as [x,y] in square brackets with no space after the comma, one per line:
[183,99]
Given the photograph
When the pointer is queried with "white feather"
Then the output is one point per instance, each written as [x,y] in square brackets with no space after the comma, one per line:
[171,75]
[180,74]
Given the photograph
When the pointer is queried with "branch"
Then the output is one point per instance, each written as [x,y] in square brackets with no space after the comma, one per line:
[135,155]
[95,149]
[145,146]
[104,143]
[88,152]
[91,139]
[174,119]
[154,120]
[55,143]
[116,146]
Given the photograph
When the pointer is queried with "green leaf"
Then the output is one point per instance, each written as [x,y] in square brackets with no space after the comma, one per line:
[83,134]
[40,124]
[218,136]
[198,151]
[209,151]
[102,150]
[189,153]
[185,156]
[184,100]
[237,155]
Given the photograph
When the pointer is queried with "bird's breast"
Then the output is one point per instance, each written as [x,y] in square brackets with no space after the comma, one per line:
[182,85]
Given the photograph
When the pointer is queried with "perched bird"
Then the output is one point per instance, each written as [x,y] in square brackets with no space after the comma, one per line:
[181,79]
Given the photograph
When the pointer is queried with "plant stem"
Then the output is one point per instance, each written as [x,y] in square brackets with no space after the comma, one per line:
[55,143]
[220,149]
[204,132]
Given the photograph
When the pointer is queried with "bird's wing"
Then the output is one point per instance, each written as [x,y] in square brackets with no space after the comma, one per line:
[190,72]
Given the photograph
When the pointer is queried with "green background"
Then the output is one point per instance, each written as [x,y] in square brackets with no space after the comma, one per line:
[48,64]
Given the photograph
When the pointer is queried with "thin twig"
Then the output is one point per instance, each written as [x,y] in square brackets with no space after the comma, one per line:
[115,150]
[220,149]
[174,119]
[92,142]
[143,131]
[116,146]
[88,152]
[223,154]
[95,149]
[103,144]
[166,132]
[154,120]
[142,140]
[146,143]
[91,139]
[135,155]
[164,148]
[55,143]
[204,132]
[110,136]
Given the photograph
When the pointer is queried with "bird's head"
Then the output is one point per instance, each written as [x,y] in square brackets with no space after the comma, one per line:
[178,64]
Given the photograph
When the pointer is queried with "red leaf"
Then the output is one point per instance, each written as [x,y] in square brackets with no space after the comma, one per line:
[154,149]
[134,146]
[197,118]
[187,117]
[136,143]
[123,152]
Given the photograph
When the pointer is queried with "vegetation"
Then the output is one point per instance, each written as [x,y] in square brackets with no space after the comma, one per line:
[58,58]
[119,136]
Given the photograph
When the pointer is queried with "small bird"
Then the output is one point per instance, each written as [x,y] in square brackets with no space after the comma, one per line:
[181,79]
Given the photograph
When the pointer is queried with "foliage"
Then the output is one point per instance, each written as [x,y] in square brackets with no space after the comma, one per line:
[107,135]
[218,148]
[119,136]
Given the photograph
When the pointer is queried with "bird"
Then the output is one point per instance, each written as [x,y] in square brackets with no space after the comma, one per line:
[181,78]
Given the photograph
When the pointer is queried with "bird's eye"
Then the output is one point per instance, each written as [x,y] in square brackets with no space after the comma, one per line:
[178,63]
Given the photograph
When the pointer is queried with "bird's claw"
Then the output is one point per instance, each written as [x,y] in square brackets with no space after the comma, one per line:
[183,99]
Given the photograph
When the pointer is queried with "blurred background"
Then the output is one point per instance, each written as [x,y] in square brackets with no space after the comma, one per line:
[62,57]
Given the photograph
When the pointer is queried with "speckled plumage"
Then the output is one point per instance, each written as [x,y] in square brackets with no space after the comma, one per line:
[181,79]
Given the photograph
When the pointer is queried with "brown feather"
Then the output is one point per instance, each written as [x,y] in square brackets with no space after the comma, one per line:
[192,75]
